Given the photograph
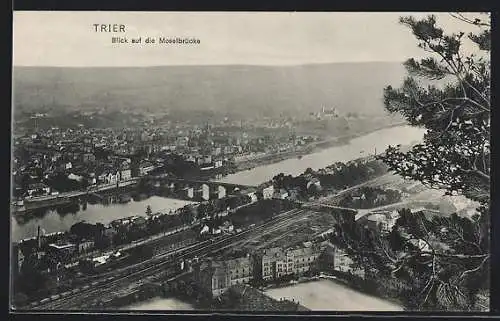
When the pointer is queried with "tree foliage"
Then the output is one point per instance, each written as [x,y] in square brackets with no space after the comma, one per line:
[370,197]
[455,153]
[439,262]
[443,260]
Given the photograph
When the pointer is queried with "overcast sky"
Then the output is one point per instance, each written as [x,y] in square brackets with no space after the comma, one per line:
[255,38]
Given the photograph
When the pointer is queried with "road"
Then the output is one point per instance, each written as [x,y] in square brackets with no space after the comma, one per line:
[388,207]
[148,240]
[194,181]
[324,199]
[133,276]
[107,285]
[80,192]
[314,205]
[66,195]
[63,198]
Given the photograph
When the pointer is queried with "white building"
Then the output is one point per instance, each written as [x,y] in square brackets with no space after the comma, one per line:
[205,192]
[38,189]
[190,192]
[75,177]
[268,192]
[252,194]
[314,182]
[221,192]
[383,221]
[112,178]
[125,174]
[205,229]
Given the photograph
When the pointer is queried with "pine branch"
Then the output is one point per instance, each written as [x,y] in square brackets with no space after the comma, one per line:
[465,273]
[461,17]
[427,287]
[477,172]
[461,237]
[456,72]
[455,256]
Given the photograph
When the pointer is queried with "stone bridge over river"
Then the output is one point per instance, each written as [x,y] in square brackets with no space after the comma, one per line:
[192,189]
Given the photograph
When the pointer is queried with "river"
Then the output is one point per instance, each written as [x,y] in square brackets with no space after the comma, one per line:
[317,295]
[323,295]
[55,222]
[329,295]
[357,147]
[160,304]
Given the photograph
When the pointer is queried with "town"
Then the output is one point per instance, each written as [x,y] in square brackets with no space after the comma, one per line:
[229,241]
[279,165]
[55,160]
[49,160]
[205,247]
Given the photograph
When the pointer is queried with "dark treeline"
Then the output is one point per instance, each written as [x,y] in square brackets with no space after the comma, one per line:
[341,175]
[402,263]
[334,177]
[369,197]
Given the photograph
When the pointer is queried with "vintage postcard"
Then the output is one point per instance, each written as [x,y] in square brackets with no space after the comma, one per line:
[250,161]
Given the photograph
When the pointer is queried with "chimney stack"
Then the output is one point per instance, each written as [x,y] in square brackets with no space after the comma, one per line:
[38,239]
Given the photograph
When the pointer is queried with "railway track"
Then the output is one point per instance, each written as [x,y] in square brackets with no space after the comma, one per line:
[147,242]
[86,295]
[107,285]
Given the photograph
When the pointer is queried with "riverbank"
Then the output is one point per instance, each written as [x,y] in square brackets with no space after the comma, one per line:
[308,149]
[291,287]
[330,295]
[358,146]
[160,304]
[52,221]
[349,284]
[34,203]
[316,293]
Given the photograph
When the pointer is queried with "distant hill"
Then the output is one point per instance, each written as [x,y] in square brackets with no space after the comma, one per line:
[246,90]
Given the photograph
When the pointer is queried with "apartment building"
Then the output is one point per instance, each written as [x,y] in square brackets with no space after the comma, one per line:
[216,276]
[277,262]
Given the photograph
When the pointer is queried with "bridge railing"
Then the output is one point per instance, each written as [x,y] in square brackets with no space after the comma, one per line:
[191,181]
